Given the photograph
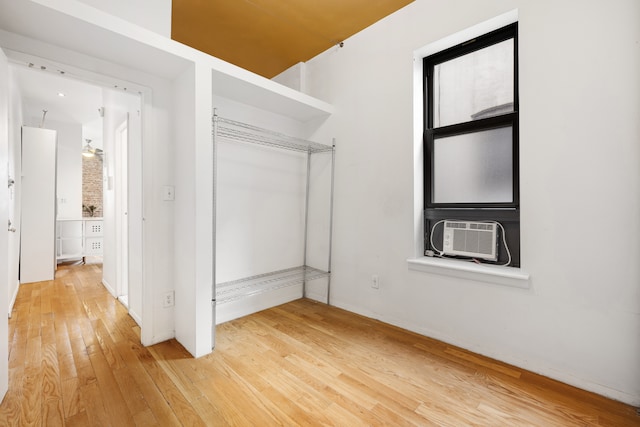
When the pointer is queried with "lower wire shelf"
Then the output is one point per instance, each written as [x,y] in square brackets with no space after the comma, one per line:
[254,285]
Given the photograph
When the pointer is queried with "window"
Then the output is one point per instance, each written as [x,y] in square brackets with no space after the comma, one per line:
[471,139]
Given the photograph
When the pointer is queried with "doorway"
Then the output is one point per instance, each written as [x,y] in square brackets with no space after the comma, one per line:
[71,102]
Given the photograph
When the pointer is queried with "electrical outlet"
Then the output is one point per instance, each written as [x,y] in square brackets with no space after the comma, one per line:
[375,282]
[167,301]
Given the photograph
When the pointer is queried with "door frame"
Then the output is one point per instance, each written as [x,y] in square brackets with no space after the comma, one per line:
[121,145]
[145,164]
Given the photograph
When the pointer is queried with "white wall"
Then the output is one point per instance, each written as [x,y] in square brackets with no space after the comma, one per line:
[185,234]
[293,77]
[260,200]
[580,174]
[158,224]
[154,15]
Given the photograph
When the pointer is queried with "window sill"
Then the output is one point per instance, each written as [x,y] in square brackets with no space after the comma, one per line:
[507,276]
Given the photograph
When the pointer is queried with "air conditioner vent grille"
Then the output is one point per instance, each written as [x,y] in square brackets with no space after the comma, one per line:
[472,239]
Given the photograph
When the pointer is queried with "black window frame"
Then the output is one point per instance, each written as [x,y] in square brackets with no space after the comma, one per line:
[507,213]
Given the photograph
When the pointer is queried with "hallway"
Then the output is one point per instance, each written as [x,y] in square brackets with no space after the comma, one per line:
[76,358]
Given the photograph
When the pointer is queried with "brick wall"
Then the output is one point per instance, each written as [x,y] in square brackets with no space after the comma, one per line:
[92,184]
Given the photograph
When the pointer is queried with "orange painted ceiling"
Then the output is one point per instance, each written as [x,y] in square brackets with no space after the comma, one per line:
[269,36]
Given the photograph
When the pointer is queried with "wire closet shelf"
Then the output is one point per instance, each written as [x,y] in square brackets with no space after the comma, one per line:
[233,131]
[242,132]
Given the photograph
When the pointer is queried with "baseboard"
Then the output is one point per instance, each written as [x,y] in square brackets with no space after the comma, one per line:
[164,336]
[12,300]
[109,288]
[136,318]
[317,289]
[316,296]
[537,368]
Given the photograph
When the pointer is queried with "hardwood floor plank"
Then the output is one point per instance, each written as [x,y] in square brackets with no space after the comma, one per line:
[114,401]
[93,403]
[81,419]
[209,412]
[169,361]
[235,400]
[53,412]
[75,359]
[31,408]
[11,409]
[176,400]
[145,419]
[134,398]
[107,345]
[153,397]
[70,389]
[67,366]
[299,399]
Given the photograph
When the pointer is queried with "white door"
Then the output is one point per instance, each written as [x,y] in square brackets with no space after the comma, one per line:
[38,237]
[4,222]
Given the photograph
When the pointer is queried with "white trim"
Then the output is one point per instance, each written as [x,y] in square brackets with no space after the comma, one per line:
[147,325]
[507,276]
[165,336]
[109,288]
[467,34]
[12,301]
[136,318]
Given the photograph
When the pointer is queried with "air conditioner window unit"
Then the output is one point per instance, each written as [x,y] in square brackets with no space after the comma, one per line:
[471,239]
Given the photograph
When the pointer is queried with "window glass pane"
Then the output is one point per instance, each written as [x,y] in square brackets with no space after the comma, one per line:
[474,86]
[474,167]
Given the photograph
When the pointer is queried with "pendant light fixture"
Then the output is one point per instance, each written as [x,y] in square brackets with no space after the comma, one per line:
[87,150]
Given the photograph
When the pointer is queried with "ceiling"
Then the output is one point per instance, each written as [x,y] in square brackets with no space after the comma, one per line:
[65,100]
[270,36]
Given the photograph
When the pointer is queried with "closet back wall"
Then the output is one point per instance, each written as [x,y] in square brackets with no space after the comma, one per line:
[260,199]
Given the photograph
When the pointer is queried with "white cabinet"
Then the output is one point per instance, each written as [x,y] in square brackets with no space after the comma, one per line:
[69,239]
[92,237]
[78,238]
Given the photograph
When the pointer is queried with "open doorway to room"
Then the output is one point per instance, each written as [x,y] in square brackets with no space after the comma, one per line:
[99,136]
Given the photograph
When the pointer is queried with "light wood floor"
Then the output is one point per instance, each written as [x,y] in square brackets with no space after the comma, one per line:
[75,360]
